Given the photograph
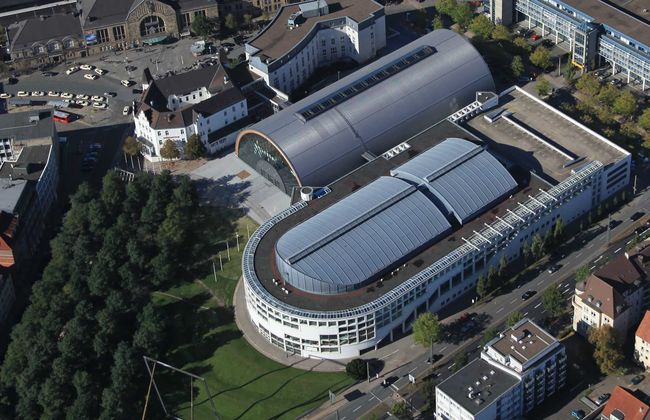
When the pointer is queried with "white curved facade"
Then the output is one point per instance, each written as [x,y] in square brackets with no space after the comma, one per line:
[345,333]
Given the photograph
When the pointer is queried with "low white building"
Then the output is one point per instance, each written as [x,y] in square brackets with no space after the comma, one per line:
[305,36]
[206,102]
[642,342]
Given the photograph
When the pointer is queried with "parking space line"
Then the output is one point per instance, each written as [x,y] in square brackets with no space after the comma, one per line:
[617,250]
[592,267]
[540,282]
[513,300]
[357,409]
[525,314]
[444,348]
[500,309]
[388,355]
[412,369]
[538,305]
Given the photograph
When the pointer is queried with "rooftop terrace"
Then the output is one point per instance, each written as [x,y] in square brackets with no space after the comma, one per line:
[541,139]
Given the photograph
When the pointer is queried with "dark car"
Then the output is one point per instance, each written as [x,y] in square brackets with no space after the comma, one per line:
[578,414]
[640,230]
[603,398]
[388,381]
[636,216]
[111,94]
[137,91]
[48,74]
[12,81]
[130,68]
[528,294]
[637,379]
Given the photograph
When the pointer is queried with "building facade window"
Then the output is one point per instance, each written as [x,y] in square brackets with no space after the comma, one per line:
[118,33]
[102,35]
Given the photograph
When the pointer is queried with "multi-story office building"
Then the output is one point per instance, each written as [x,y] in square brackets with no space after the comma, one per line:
[357,257]
[481,392]
[517,371]
[616,294]
[305,36]
[642,342]
[615,31]
[102,25]
[29,182]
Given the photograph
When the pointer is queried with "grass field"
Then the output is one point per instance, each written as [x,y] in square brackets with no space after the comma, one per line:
[243,383]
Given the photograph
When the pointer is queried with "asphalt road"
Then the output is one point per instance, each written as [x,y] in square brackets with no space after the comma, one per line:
[592,252]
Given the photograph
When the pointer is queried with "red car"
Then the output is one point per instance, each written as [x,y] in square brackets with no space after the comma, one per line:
[535,37]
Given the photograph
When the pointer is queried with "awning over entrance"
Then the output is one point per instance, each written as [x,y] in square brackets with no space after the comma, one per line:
[154,39]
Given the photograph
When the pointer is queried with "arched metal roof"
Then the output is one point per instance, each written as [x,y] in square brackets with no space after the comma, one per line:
[461,174]
[345,245]
[323,146]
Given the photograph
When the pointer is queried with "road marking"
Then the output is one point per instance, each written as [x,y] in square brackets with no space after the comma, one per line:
[592,267]
[590,246]
[388,355]
[394,387]
[513,300]
[443,349]
[372,398]
[343,418]
[540,282]
[569,298]
[598,259]
[538,305]
[567,290]
[524,316]
[629,242]
[357,409]
[500,309]
[451,366]
[578,254]
[544,311]
[617,250]
[412,369]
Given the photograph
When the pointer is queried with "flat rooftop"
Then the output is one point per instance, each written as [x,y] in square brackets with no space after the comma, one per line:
[477,385]
[540,139]
[626,16]
[29,166]
[27,125]
[265,265]
[277,39]
[523,341]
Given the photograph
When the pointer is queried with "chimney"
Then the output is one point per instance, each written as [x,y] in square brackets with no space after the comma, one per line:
[169,118]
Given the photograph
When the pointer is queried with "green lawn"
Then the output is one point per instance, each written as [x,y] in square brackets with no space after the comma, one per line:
[244,384]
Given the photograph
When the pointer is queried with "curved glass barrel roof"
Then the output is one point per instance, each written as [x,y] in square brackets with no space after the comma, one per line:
[348,244]
[462,175]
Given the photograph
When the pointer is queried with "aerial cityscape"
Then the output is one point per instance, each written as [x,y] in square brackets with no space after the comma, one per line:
[325,209]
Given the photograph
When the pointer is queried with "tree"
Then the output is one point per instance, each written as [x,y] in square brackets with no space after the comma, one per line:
[357,369]
[553,301]
[202,26]
[462,15]
[488,335]
[558,230]
[438,23]
[537,246]
[500,33]
[231,22]
[582,273]
[644,119]
[194,148]
[588,85]
[429,391]
[492,278]
[120,395]
[482,26]
[625,105]
[247,19]
[513,318]
[426,329]
[607,353]
[481,286]
[169,150]
[541,57]
[525,251]
[521,43]
[607,95]
[459,361]
[517,66]
[569,73]
[401,410]
[446,7]
[151,331]
[503,264]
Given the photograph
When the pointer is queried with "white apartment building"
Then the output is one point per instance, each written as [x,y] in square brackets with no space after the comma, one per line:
[642,342]
[516,372]
[205,102]
[305,36]
[614,295]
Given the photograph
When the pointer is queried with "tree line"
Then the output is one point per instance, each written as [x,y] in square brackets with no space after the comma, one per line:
[77,352]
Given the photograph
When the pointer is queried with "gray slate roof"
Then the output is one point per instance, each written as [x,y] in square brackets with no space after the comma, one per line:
[462,175]
[55,27]
[344,246]
[19,127]
[330,145]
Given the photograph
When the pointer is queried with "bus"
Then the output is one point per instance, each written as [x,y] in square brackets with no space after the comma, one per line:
[61,116]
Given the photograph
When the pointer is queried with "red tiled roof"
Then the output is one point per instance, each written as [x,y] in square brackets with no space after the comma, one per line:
[643,332]
[626,403]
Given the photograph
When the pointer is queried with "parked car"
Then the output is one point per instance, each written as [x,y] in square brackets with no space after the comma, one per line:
[22,93]
[535,37]
[97,98]
[71,70]
[637,379]
[5,95]
[48,74]
[83,103]
[604,397]
[528,294]
[81,96]
[578,414]
[111,94]
[100,105]
[87,67]
[126,110]
[53,93]
[137,91]
[90,76]
[67,95]
[101,72]
[12,81]
[554,268]
[636,216]
[130,68]
[38,93]
[127,83]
